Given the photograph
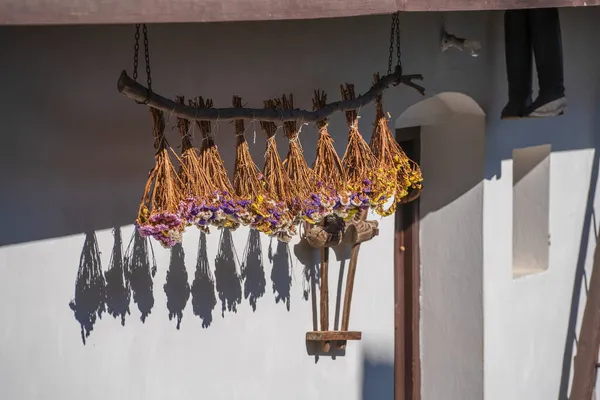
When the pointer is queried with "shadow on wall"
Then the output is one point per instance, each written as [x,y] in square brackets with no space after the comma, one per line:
[228,281]
[118,288]
[581,279]
[90,287]
[177,288]
[281,273]
[253,269]
[463,123]
[377,379]
[204,300]
[131,275]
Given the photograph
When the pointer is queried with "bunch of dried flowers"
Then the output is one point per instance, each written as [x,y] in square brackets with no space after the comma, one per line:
[279,188]
[359,164]
[158,214]
[330,195]
[249,185]
[398,173]
[221,207]
[300,174]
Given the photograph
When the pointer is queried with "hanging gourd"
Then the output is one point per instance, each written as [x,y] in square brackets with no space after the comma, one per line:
[249,184]
[397,172]
[158,214]
[359,163]
[221,207]
[195,184]
[300,174]
[280,189]
[330,195]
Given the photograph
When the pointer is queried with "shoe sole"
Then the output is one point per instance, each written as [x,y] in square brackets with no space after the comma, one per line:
[545,115]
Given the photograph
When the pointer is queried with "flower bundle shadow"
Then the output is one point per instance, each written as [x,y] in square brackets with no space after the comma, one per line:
[158,214]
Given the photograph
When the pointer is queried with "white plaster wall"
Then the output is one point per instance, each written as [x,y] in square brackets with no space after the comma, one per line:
[74,158]
[75,155]
[531,322]
[452,213]
[452,160]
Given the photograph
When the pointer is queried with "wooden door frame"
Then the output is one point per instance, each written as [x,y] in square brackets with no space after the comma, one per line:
[407,285]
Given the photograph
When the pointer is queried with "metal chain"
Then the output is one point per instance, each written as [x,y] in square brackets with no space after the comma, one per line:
[398,54]
[392,43]
[147,55]
[394,37]
[136,50]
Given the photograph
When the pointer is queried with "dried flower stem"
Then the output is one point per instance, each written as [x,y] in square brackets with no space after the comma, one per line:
[246,177]
[211,160]
[358,160]
[328,166]
[193,177]
[303,178]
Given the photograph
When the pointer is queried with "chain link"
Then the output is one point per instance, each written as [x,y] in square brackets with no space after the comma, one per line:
[398,54]
[394,37]
[136,50]
[147,56]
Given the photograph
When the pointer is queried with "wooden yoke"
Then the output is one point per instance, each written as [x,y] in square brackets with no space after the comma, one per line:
[357,231]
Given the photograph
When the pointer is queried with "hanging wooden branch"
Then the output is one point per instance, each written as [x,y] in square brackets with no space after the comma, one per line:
[138,92]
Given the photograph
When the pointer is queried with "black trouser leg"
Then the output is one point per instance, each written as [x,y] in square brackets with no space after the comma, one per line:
[544,25]
[519,58]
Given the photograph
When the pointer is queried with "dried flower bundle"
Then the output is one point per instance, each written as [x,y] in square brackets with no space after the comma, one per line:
[158,214]
[398,173]
[195,184]
[249,185]
[359,163]
[221,206]
[303,178]
[280,190]
[330,194]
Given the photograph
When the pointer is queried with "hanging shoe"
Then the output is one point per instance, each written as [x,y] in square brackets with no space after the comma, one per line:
[544,24]
[515,109]
[547,107]
[519,63]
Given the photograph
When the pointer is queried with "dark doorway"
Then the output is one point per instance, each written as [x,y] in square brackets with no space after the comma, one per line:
[407,283]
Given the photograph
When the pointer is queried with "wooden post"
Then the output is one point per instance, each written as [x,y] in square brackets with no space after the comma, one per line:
[350,283]
[326,346]
[588,346]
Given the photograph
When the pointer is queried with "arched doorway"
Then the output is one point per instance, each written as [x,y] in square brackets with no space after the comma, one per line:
[439,253]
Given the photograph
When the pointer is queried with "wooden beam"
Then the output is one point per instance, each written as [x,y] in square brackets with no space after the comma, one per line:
[475,5]
[139,93]
[44,12]
[66,12]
